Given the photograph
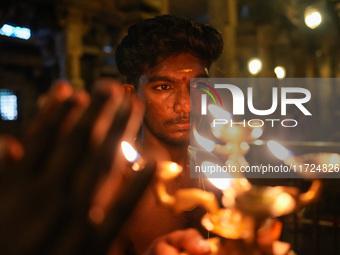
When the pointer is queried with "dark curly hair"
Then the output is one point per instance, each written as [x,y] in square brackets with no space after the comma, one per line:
[153,40]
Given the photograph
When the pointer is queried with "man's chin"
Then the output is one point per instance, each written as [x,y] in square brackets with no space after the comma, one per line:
[176,141]
[173,136]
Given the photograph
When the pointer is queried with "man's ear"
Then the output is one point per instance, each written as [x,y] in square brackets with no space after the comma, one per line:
[129,89]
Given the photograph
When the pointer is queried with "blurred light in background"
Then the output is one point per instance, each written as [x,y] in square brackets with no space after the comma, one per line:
[18,32]
[254,66]
[280,72]
[279,150]
[313,17]
[107,49]
[8,105]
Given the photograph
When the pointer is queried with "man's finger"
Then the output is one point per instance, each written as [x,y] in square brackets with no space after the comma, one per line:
[123,207]
[39,146]
[48,103]
[86,179]
[11,151]
[188,240]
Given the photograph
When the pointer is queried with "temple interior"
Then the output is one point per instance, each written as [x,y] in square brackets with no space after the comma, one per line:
[45,40]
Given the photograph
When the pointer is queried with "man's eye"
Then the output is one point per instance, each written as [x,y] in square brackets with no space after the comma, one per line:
[162,87]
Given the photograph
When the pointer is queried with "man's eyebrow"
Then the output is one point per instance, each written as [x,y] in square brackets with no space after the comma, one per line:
[169,79]
[160,78]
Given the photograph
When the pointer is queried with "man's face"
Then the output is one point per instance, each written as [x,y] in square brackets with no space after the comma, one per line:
[165,89]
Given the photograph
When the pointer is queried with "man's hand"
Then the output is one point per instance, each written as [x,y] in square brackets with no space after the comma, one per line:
[188,241]
[45,198]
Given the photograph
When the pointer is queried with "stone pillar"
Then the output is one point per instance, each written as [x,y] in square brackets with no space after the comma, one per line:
[60,49]
[75,28]
[223,16]
[265,44]
[162,6]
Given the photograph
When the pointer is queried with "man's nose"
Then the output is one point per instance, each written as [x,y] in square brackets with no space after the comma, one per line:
[182,101]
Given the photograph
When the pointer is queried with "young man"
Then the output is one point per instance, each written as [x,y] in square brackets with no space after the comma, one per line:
[158,57]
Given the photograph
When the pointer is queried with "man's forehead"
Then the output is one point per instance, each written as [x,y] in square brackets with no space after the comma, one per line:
[175,67]
[204,72]
[179,75]
[185,70]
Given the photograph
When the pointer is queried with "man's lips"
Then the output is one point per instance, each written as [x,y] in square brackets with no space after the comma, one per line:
[181,124]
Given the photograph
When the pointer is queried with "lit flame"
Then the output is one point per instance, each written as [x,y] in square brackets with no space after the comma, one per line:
[244,146]
[283,203]
[169,170]
[204,142]
[219,113]
[257,132]
[220,183]
[129,152]
[334,159]
[233,131]
[278,150]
